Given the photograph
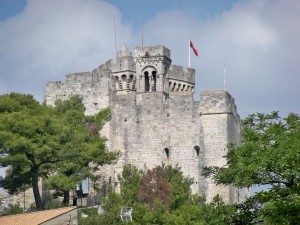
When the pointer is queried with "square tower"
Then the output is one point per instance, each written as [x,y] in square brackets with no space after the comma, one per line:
[152,64]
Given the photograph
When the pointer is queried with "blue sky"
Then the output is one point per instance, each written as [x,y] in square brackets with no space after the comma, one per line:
[257,40]
[135,11]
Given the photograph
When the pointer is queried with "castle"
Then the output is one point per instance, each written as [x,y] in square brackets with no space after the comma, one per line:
[155,118]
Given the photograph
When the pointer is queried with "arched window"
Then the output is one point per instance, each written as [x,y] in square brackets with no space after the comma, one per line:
[118,83]
[131,77]
[174,85]
[150,78]
[197,150]
[130,82]
[154,80]
[178,87]
[183,87]
[124,81]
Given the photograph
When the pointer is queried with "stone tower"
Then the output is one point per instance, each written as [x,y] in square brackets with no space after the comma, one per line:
[155,118]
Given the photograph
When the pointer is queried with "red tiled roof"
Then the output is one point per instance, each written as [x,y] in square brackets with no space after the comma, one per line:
[34,218]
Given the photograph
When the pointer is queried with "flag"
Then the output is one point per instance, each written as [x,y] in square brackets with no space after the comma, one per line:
[194,49]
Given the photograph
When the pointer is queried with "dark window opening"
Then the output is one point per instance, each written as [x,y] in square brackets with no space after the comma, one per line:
[167,152]
[131,77]
[197,150]
[146,81]
[154,81]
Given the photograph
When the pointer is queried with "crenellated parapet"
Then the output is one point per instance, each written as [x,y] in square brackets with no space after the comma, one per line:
[181,79]
[154,52]
[218,102]
[74,78]
[93,87]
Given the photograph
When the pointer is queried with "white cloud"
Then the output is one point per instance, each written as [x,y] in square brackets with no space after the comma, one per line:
[245,27]
[259,41]
[51,38]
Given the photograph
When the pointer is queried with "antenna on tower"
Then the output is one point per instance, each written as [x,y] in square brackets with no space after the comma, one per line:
[142,33]
[115,36]
[225,77]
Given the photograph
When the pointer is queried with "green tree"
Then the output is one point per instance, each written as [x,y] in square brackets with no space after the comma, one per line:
[12,209]
[39,141]
[28,142]
[162,196]
[82,143]
[180,186]
[269,155]
[130,182]
[217,212]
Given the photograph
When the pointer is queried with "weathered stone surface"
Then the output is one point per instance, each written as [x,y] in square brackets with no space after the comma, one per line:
[155,118]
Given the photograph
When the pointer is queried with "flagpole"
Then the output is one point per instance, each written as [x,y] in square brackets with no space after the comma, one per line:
[189,52]
[115,36]
[142,33]
[225,77]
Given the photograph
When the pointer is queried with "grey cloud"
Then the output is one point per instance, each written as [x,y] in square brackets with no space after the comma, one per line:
[52,38]
[259,41]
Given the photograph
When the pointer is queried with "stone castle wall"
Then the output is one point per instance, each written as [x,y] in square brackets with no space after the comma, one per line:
[154,116]
[153,128]
[94,88]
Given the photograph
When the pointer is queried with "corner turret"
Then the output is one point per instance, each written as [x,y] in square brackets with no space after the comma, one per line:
[123,70]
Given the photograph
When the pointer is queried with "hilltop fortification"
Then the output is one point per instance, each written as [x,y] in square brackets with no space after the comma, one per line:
[155,118]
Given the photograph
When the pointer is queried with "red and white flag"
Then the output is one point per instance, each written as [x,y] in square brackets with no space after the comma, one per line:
[194,49]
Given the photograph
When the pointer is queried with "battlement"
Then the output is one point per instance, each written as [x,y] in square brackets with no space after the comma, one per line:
[217,101]
[82,77]
[181,79]
[54,84]
[182,73]
[152,51]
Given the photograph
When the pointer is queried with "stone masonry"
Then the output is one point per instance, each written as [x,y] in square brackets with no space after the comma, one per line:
[155,118]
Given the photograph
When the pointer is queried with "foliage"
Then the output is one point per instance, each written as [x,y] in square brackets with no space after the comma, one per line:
[56,143]
[53,203]
[130,183]
[83,145]
[148,206]
[112,205]
[89,216]
[269,155]
[28,142]
[11,210]
[180,186]
[155,187]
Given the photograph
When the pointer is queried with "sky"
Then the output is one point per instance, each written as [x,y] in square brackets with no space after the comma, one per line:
[257,40]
